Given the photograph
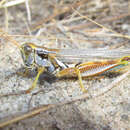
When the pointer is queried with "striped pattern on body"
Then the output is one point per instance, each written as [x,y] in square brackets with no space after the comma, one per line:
[90,68]
[98,68]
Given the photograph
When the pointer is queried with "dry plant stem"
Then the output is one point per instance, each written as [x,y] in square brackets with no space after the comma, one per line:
[2,2]
[28,10]
[100,25]
[6,4]
[8,37]
[65,39]
[35,112]
[114,83]
[49,18]
[85,25]
[121,44]
[6,19]
[13,94]
[47,107]
[27,115]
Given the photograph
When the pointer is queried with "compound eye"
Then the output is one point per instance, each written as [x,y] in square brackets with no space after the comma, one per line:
[27,49]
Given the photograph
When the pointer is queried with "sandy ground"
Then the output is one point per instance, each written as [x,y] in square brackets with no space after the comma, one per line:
[108,112]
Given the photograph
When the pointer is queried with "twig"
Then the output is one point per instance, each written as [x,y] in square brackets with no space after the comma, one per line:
[49,18]
[8,37]
[100,25]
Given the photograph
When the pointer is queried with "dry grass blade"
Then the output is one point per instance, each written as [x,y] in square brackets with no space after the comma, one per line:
[2,2]
[8,37]
[27,115]
[110,19]
[113,84]
[28,10]
[12,3]
[100,25]
[6,18]
[49,18]
[39,110]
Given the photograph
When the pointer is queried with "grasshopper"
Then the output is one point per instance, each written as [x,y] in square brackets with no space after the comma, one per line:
[46,60]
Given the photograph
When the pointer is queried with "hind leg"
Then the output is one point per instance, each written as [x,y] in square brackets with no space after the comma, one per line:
[80,81]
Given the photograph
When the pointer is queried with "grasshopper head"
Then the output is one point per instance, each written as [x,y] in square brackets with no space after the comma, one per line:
[35,56]
[27,52]
[125,60]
